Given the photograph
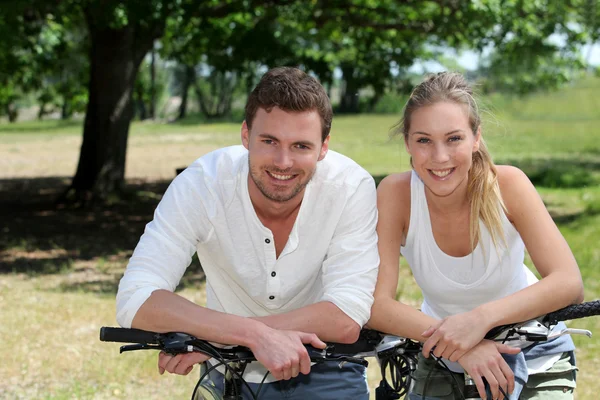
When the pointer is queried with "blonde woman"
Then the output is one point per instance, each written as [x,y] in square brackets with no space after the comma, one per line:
[463,225]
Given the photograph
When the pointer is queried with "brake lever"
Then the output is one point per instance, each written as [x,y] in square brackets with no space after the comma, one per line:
[139,346]
[570,331]
[169,349]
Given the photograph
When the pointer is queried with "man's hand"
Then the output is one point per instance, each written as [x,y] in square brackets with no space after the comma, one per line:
[485,361]
[181,364]
[283,352]
[453,336]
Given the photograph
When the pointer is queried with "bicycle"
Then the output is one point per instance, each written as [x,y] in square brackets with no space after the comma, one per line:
[395,355]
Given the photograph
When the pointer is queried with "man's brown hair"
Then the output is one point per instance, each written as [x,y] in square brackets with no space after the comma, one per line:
[292,90]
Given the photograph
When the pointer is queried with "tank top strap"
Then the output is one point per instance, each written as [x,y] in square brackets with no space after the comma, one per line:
[419,213]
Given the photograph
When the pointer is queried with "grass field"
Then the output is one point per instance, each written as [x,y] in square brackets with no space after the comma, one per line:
[59,268]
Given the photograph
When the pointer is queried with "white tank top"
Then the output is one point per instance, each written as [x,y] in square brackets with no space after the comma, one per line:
[453,285]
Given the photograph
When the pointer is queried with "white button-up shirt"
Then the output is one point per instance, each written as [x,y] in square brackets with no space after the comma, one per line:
[331,254]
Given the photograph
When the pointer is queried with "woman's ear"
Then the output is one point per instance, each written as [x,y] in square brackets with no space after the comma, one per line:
[477,140]
[406,146]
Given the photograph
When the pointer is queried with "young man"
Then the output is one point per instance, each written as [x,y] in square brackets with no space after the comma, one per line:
[285,232]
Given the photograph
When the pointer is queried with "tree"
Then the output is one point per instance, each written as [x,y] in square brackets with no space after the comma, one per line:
[362,37]
[527,57]
[61,66]
[21,26]
[122,33]
[588,15]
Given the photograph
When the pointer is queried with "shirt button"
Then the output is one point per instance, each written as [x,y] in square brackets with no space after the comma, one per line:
[271,297]
[267,241]
[273,273]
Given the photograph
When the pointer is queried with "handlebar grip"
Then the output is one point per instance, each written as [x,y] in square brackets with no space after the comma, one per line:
[125,335]
[575,311]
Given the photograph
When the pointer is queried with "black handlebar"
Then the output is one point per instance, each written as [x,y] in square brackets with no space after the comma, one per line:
[122,335]
[367,341]
[575,311]
[177,342]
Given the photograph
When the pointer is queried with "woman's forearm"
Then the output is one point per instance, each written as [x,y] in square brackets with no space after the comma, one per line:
[391,316]
[555,291]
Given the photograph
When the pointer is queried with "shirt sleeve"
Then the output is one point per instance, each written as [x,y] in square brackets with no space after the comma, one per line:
[350,268]
[167,245]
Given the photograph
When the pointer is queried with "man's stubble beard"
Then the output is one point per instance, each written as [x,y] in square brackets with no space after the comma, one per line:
[273,195]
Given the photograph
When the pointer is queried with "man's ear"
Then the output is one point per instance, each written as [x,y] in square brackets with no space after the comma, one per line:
[245,134]
[324,148]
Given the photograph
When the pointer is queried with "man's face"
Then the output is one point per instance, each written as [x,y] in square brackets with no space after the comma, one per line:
[284,148]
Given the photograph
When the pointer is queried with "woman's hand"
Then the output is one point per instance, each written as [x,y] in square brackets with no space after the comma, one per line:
[181,364]
[485,361]
[453,336]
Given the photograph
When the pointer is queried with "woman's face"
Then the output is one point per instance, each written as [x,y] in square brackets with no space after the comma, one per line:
[441,144]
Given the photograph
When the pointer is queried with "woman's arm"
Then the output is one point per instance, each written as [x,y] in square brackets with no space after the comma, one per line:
[388,314]
[561,282]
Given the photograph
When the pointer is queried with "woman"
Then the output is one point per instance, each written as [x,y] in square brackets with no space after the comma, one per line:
[463,224]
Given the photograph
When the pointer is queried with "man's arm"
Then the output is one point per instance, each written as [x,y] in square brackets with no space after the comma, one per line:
[324,319]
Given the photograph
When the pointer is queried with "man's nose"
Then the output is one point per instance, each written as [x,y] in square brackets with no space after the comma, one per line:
[283,159]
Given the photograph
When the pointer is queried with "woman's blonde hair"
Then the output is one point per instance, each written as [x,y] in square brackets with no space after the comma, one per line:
[482,189]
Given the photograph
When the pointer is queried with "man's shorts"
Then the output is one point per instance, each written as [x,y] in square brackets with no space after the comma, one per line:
[326,381]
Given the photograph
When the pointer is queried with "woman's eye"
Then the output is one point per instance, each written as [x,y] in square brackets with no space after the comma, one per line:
[422,140]
[455,138]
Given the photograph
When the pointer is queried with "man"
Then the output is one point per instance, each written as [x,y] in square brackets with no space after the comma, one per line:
[285,232]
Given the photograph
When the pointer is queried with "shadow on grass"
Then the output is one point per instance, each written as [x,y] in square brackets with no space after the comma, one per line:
[93,244]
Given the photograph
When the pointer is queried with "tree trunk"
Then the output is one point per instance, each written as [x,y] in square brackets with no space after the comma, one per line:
[42,111]
[349,97]
[115,57]
[189,78]
[152,83]
[139,102]
[12,112]
[65,109]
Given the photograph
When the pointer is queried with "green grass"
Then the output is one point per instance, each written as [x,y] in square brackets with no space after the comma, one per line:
[49,320]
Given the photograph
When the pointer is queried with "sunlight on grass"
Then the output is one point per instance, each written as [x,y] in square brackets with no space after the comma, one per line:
[62,357]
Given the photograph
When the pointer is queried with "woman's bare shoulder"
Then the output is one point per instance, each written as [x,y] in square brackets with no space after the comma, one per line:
[393,198]
[395,185]
[515,187]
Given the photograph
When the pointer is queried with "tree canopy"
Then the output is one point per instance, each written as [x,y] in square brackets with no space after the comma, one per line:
[75,51]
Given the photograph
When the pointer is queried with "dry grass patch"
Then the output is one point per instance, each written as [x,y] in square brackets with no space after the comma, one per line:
[55,352]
